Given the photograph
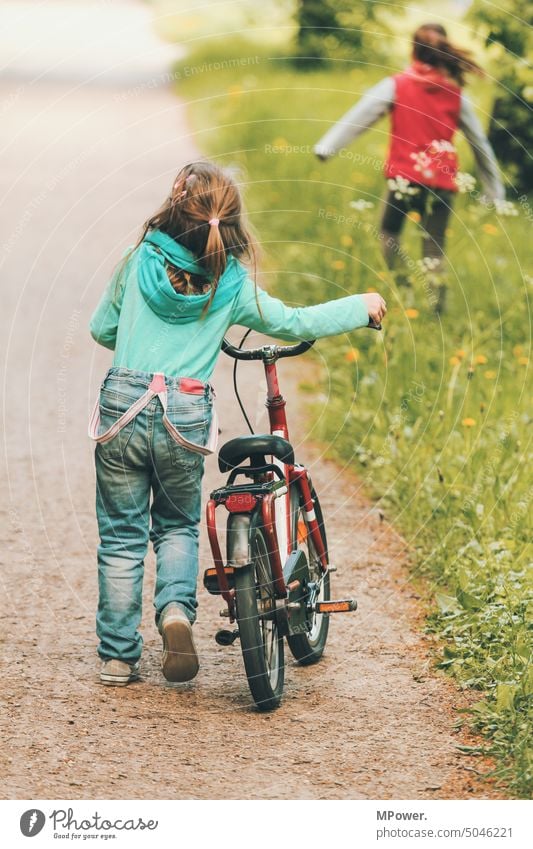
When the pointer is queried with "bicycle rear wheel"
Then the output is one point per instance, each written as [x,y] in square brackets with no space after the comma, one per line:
[309,647]
[261,642]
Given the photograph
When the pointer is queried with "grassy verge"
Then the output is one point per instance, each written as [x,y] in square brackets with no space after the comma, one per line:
[433,413]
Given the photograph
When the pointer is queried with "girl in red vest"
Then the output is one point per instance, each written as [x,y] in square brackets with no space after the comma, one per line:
[427,106]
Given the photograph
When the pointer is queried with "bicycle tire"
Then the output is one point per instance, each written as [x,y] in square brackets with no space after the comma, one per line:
[261,642]
[309,648]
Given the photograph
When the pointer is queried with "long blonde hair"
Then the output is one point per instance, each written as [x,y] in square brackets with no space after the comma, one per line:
[202,193]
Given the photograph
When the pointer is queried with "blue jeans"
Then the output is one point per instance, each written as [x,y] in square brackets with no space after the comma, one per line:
[143,462]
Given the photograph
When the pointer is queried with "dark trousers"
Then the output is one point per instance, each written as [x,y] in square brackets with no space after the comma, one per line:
[433,206]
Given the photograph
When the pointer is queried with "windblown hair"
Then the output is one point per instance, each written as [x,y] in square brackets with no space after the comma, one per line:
[431,45]
[202,192]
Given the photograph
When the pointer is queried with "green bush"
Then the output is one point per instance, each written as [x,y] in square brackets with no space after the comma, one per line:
[507,29]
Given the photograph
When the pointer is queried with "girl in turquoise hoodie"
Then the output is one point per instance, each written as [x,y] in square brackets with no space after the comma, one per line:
[164,314]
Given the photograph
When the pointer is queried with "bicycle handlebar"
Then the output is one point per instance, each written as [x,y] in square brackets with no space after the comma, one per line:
[278,350]
[259,353]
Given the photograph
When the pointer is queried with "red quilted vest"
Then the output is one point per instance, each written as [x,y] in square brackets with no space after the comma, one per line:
[424,118]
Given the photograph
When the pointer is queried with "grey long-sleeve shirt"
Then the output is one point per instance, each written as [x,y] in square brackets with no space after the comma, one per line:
[379,99]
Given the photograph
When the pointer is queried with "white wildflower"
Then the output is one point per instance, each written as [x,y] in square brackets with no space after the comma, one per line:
[360,204]
[465,182]
[505,207]
[401,187]
[423,163]
[441,146]
[429,263]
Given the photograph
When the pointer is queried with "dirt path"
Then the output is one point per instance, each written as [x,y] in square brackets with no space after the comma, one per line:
[81,167]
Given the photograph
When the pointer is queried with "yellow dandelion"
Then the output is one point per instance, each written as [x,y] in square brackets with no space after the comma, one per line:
[490,229]
[460,353]
[338,264]
[523,361]
[346,241]
[455,361]
[412,313]
[414,216]
[234,90]
[371,289]
[490,375]
[352,355]
[481,360]
[280,142]
[469,422]
[518,350]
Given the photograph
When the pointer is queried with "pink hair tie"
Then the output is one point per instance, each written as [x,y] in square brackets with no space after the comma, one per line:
[214,222]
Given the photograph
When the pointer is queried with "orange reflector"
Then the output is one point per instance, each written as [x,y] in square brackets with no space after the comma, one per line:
[345,606]
[211,573]
[302,532]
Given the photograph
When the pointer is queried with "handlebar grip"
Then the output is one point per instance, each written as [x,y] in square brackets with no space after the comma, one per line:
[238,353]
[374,326]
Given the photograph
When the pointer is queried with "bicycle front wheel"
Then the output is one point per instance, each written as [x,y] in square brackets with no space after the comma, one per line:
[261,642]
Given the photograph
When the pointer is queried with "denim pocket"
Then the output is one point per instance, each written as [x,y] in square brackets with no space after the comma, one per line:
[113,404]
[192,417]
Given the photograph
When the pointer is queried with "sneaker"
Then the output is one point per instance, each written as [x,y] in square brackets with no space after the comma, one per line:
[117,673]
[180,660]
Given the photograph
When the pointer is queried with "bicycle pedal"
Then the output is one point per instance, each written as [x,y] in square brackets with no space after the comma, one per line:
[344,606]
[226,638]
[211,579]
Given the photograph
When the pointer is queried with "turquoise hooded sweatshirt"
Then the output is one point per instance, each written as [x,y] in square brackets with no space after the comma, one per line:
[153,328]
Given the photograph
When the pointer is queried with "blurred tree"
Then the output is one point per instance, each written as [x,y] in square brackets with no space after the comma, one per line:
[507,31]
[336,29]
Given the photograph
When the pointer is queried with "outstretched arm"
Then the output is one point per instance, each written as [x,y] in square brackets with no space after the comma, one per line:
[258,310]
[483,152]
[373,104]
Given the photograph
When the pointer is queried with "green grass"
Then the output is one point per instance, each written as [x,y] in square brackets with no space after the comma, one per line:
[434,415]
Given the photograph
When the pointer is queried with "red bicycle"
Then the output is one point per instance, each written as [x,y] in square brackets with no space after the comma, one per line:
[275,578]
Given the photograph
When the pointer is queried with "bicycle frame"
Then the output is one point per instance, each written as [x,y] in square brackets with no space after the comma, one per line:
[272,498]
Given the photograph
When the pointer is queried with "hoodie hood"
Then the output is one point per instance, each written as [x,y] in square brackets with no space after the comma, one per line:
[156,249]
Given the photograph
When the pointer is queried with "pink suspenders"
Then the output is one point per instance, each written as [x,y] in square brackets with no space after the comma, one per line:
[157,388]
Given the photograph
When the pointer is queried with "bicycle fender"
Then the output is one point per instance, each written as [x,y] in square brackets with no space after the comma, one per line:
[238,540]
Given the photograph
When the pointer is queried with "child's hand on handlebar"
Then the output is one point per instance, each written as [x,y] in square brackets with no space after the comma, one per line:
[376,306]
